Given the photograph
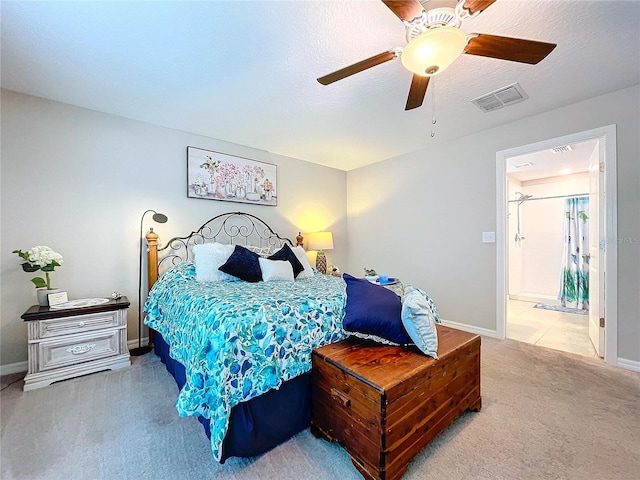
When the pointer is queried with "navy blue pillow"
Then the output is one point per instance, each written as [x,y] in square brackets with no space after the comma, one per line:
[285,253]
[244,264]
[373,310]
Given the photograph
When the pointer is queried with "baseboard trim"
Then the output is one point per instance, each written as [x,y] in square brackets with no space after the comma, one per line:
[632,365]
[24,366]
[134,343]
[470,328]
[14,368]
[535,298]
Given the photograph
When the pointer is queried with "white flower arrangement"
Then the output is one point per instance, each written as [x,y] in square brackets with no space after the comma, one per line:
[40,258]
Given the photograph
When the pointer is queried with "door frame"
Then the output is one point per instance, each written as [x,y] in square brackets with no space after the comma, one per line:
[608,155]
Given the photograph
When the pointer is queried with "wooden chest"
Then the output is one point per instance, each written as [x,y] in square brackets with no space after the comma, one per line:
[383,404]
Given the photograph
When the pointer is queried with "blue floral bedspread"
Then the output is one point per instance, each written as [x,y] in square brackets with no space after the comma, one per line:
[238,340]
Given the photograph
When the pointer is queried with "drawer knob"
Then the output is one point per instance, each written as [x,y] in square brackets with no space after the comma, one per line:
[340,397]
[81,324]
[80,349]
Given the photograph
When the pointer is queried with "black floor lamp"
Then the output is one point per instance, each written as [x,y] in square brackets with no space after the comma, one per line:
[140,350]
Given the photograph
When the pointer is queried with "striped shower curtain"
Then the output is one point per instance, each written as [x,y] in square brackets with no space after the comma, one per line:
[574,285]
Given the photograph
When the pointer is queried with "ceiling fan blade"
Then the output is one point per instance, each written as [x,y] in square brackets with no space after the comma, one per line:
[417,91]
[506,48]
[357,67]
[405,10]
[474,6]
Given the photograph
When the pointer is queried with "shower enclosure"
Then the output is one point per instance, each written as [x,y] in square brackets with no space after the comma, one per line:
[536,239]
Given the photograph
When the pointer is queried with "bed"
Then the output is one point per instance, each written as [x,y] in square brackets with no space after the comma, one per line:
[239,351]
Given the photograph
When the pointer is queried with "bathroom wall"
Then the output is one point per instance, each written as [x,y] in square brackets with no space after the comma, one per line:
[535,262]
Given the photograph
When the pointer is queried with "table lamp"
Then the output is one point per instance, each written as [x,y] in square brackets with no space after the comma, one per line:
[321,241]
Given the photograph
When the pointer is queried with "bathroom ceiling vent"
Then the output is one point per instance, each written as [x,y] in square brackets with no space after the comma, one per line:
[503,97]
[561,149]
[523,165]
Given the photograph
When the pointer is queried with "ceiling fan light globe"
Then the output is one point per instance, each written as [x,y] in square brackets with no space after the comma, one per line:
[433,51]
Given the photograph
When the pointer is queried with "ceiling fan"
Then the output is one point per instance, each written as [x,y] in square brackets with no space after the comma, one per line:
[435,41]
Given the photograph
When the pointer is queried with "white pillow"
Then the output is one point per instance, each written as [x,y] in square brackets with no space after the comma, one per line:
[419,321]
[302,256]
[208,258]
[276,270]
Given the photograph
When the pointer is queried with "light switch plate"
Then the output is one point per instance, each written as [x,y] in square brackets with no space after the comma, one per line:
[488,237]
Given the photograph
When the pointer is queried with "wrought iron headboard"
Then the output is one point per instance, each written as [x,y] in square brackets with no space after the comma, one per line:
[235,228]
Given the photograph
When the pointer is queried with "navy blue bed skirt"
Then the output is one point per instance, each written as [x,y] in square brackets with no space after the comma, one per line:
[260,424]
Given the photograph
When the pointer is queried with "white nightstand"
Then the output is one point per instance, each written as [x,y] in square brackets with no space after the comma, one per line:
[73,342]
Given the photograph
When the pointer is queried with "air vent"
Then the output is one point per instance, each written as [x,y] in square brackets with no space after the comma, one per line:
[503,97]
[561,149]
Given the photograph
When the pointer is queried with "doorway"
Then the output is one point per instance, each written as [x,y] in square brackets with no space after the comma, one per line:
[547,275]
[523,279]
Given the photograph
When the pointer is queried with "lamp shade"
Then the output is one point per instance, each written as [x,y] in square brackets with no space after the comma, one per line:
[321,241]
[159,218]
[434,50]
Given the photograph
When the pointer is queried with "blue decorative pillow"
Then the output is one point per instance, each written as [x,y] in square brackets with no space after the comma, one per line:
[419,320]
[373,312]
[244,264]
[285,253]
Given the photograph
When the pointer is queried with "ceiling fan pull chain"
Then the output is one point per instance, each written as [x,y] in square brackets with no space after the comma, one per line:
[433,107]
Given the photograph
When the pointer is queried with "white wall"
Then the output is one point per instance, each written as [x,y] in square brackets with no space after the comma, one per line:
[78,181]
[421,216]
[535,263]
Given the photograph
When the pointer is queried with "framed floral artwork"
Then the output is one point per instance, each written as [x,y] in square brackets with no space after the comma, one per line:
[220,176]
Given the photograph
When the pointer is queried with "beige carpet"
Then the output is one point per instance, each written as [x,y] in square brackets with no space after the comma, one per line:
[545,415]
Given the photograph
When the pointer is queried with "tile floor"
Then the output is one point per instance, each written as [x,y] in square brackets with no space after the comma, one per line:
[561,331]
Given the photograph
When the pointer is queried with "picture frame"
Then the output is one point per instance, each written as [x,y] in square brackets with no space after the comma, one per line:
[220,176]
[57,298]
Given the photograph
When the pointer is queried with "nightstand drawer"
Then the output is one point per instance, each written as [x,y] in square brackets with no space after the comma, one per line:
[71,350]
[55,327]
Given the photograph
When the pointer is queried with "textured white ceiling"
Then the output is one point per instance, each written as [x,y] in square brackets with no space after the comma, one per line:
[245,72]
